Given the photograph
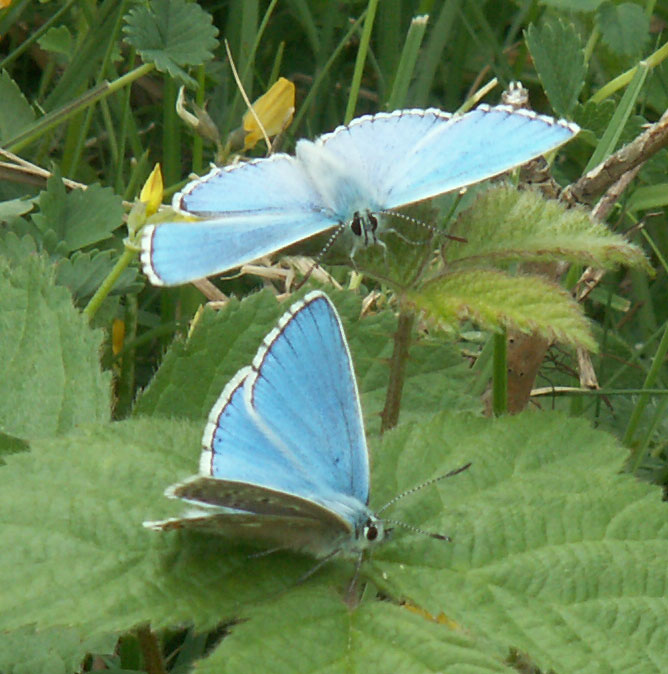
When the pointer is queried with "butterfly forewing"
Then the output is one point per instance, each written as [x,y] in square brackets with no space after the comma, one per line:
[470,148]
[272,185]
[304,393]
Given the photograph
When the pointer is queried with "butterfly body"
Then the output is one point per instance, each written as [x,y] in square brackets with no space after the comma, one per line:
[347,177]
[284,458]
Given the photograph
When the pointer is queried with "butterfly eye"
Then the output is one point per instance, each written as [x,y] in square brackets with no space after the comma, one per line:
[371,532]
[356,224]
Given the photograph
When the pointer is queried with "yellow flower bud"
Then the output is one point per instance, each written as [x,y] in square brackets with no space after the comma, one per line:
[151,193]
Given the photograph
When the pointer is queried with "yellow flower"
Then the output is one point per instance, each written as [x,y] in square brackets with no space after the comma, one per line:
[151,193]
[274,110]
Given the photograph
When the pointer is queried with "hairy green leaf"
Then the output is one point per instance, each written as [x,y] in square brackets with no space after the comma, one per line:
[624,27]
[17,113]
[51,378]
[29,651]
[172,34]
[560,61]
[77,218]
[553,551]
[329,637]
[505,224]
[494,300]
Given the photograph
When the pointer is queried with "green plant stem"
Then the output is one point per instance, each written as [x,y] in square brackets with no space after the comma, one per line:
[107,285]
[48,121]
[500,374]
[402,341]
[360,60]
[622,80]
[634,421]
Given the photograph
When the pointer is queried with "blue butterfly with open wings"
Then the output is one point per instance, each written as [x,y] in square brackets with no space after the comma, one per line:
[284,459]
[347,179]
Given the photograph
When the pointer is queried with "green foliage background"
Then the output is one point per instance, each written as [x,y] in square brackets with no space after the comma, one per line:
[559,536]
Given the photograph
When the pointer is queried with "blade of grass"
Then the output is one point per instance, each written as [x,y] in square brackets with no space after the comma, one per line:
[407,61]
[623,111]
[360,61]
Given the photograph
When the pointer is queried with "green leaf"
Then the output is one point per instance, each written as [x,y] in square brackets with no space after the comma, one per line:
[172,34]
[505,224]
[83,274]
[312,630]
[15,207]
[77,218]
[57,40]
[593,116]
[559,59]
[624,27]
[27,651]
[17,113]
[194,372]
[51,378]
[554,551]
[569,571]
[494,300]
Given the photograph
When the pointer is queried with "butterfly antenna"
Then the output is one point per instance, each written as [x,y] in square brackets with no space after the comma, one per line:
[323,251]
[421,223]
[417,530]
[412,490]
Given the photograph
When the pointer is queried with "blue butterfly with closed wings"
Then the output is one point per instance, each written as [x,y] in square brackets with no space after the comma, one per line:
[284,459]
[351,176]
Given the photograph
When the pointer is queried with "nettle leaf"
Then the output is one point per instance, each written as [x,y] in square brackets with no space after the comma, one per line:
[624,27]
[312,630]
[559,59]
[16,111]
[569,571]
[51,378]
[172,34]
[79,218]
[505,224]
[495,300]
[194,372]
[27,651]
[554,552]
